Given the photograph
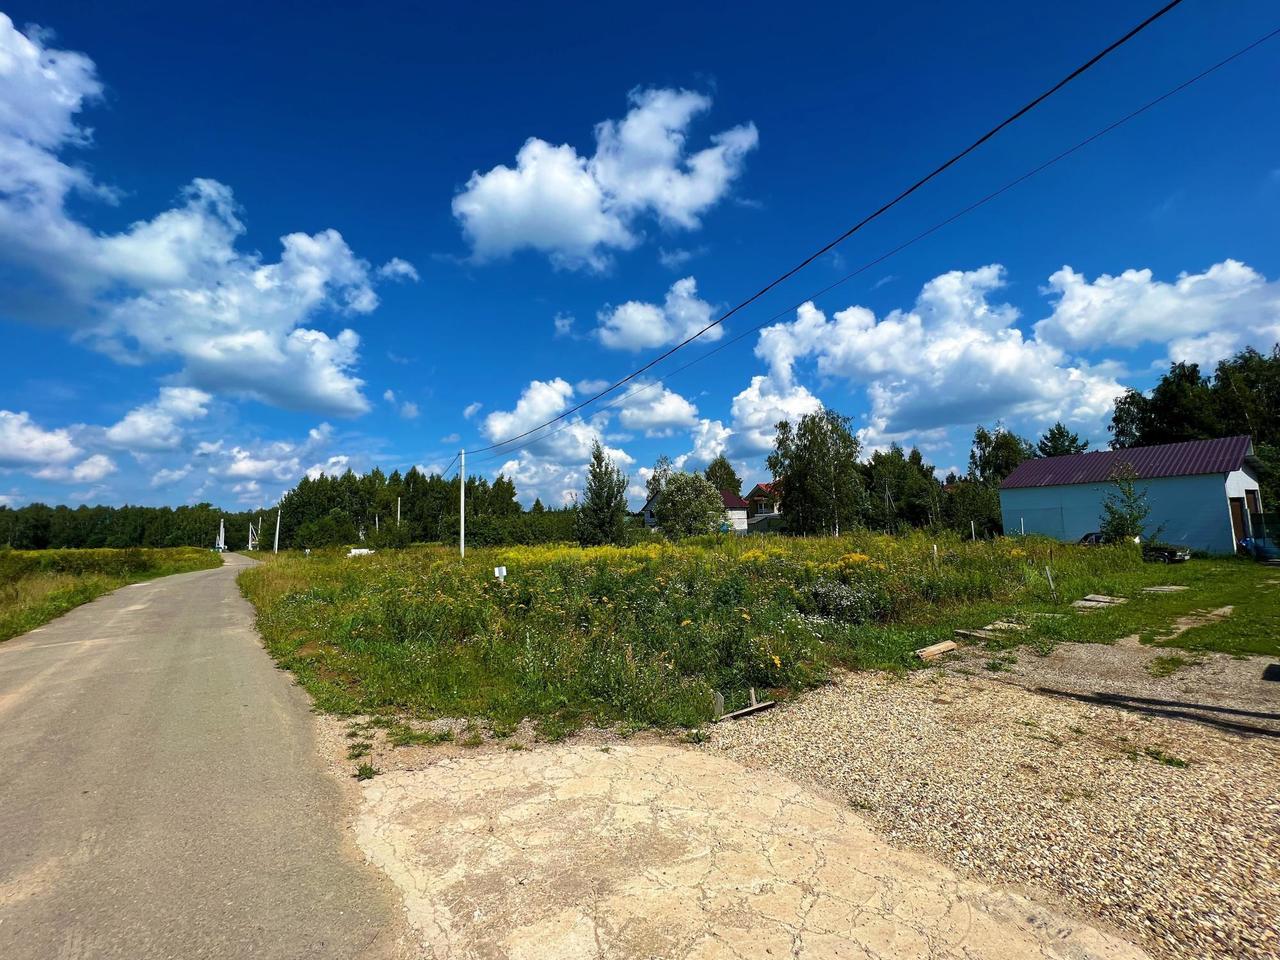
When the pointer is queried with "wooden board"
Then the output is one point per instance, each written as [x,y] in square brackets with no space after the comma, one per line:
[1006,625]
[1169,589]
[934,651]
[1103,598]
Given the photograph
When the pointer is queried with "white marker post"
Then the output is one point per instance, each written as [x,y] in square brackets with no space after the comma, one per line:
[276,549]
[462,505]
[397,511]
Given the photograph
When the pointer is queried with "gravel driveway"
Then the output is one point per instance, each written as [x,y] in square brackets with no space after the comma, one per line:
[1167,829]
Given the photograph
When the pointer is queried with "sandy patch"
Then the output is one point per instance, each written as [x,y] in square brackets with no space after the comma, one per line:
[655,851]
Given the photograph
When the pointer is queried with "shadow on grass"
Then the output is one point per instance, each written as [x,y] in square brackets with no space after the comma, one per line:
[1207,714]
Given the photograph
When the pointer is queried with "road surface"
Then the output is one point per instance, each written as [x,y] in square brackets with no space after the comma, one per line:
[161,795]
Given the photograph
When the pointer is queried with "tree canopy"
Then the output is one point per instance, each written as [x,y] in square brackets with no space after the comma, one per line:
[722,476]
[1242,397]
[688,505]
[1058,441]
[815,466]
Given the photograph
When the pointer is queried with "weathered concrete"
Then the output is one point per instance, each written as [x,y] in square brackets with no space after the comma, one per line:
[654,851]
[160,794]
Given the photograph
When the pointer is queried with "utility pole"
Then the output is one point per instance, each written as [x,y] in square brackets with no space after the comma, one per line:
[397,511]
[277,546]
[462,505]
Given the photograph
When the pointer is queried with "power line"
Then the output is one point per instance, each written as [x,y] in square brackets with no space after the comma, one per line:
[1133,114]
[1013,117]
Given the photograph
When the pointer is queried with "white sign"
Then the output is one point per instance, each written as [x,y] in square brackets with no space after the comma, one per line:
[500,573]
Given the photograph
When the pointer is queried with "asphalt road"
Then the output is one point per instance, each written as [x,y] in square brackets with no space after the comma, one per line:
[161,794]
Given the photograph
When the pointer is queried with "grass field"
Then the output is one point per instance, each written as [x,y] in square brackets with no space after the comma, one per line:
[38,585]
[644,635]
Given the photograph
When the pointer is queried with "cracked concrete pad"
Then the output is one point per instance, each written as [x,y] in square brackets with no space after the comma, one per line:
[655,851]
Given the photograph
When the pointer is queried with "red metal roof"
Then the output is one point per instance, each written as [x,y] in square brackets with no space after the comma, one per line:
[1186,459]
[732,501]
[766,488]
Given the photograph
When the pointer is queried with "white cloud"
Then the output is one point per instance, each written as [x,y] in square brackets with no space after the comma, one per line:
[472,409]
[398,269]
[170,476]
[552,463]
[656,410]
[155,426]
[563,323]
[174,285]
[710,439]
[90,470]
[407,408]
[277,460]
[636,325]
[334,466]
[677,258]
[25,443]
[1200,317]
[577,209]
[954,359]
[757,410]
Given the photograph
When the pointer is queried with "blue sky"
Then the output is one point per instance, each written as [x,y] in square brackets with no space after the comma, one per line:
[241,245]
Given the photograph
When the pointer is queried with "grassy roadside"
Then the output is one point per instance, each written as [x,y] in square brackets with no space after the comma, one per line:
[1250,589]
[37,586]
[646,635]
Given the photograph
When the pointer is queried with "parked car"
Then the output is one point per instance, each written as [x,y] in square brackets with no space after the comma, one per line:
[1165,553]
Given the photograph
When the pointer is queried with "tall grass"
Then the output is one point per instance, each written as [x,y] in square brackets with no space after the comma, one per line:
[38,585]
[641,635]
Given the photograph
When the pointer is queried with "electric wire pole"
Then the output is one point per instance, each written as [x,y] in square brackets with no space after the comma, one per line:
[462,504]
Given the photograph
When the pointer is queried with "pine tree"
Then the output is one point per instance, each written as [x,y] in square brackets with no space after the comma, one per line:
[602,515]
[1058,441]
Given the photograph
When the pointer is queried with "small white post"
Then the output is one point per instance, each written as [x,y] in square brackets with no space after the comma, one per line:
[1022,523]
[397,511]
[462,505]
[973,531]
[276,549]
[376,528]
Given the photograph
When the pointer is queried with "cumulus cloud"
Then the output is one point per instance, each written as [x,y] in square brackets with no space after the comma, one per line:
[636,325]
[656,410]
[1200,317]
[550,464]
[155,426]
[275,460]
[175,285]
[24,443]
[398,269]
[170,475]
[955,358]
[757,410]
[577,209]
[90,470]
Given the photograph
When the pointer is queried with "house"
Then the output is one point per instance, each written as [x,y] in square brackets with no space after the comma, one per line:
[735,510]
[1203,494]
[764,507]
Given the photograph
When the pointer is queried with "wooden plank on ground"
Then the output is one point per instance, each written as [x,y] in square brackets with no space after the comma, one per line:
[1006,625]
[1171,588]
[934,651]
[1103,598]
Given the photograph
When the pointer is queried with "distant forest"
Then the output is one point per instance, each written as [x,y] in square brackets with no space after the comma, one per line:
[890,490]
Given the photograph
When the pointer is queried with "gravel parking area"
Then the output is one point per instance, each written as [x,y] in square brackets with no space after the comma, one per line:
[1166,829]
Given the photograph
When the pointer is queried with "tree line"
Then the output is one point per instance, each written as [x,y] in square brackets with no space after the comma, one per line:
[817,465]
